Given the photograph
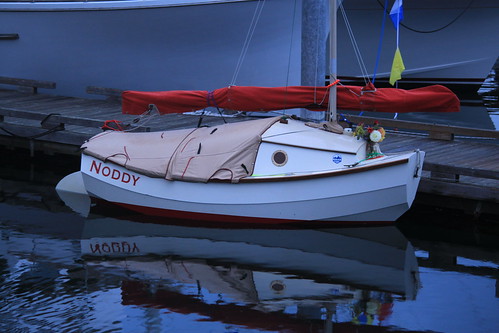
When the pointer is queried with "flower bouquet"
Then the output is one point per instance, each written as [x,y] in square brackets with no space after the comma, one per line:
[373,135]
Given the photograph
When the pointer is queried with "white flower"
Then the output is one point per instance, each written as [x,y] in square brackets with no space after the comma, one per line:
[348,131]
[376,136]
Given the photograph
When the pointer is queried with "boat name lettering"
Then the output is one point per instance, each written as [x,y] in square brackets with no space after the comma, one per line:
[115,174]
[114,247]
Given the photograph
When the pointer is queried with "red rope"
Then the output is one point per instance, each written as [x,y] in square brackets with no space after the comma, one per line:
[113,125]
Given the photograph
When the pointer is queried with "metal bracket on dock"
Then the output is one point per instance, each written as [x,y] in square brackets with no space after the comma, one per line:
[46,123]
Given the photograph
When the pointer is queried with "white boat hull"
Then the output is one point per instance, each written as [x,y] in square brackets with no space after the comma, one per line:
[148,45]
[379,192]
[444,41]
[96,43]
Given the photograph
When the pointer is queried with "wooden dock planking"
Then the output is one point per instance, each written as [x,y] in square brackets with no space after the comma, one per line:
[448,152]
[479,159]
[453,168]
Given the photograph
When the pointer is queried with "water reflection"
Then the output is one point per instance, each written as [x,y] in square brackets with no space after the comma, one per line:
[63,266]
[217,270]
[62,271]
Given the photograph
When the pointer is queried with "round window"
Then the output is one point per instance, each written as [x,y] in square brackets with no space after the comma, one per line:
[277,286]
[279,158]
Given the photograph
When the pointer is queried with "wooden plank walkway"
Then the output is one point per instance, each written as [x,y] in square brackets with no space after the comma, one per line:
[455,169]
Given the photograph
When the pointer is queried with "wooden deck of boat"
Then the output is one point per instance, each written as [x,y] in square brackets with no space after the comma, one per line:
[457,172]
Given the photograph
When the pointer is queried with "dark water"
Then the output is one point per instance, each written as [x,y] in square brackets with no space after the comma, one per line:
[62,272]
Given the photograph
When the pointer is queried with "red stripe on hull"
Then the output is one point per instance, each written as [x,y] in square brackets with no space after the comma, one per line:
[205,219]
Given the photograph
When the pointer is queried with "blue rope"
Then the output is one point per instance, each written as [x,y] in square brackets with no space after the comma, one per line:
[380,41]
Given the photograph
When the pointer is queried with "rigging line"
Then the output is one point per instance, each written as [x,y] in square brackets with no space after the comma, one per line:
[316,68]
[143,119]
[465,9]
[356,48]
[350,90]
[290,51]
[382,33]
[291,42]
[246,41]
[328,90]
[249,36]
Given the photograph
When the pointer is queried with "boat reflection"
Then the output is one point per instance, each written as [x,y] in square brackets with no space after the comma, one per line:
[378,258]
[253,277]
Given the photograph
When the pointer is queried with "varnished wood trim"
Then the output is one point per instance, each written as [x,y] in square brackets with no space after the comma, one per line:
[335,173]
[307,147]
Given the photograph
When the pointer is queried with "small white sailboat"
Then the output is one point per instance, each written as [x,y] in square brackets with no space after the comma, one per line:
[282,172]
[272,170]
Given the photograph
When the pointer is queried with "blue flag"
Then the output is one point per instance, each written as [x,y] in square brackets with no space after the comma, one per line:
[397,13]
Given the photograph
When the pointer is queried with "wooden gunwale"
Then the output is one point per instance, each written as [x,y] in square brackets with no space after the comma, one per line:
[334,173]
[307,147]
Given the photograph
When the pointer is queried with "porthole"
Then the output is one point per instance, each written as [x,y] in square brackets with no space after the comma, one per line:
[279,158]
[277,286]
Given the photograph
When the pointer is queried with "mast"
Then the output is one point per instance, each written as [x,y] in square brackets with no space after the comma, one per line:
[333,73]
[333,7]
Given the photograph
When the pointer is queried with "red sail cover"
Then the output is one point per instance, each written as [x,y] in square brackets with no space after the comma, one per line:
[434,98]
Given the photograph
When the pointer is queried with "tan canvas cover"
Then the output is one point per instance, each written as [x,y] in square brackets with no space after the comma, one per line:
[146,153]
[225,152]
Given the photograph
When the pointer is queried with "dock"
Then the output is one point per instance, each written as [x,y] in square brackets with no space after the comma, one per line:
[461,169]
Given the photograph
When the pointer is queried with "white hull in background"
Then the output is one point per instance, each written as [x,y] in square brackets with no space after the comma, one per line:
[149,45]
[462,48]
[190,45]
[379,194]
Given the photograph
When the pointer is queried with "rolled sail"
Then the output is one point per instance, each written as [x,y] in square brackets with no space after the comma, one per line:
[435,98]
